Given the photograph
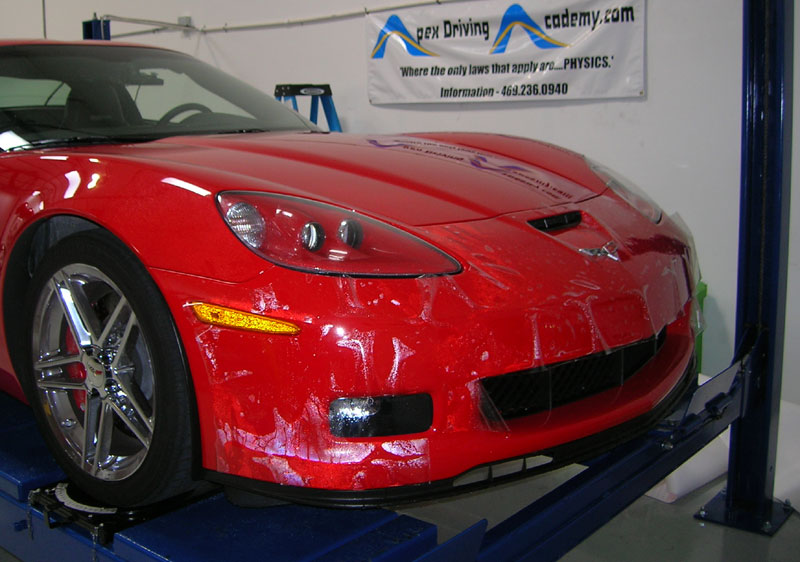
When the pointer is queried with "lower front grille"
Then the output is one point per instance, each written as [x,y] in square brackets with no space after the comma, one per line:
[536,390]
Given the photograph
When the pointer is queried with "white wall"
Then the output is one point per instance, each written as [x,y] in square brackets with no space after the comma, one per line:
[681,143]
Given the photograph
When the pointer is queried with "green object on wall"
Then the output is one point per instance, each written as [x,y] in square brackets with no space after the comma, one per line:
[700,294]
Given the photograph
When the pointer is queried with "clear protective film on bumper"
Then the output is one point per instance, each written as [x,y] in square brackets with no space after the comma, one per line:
[538,341]
[699,291]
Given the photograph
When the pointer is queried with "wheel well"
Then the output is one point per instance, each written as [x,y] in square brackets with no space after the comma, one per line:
[31,246]
[25,257]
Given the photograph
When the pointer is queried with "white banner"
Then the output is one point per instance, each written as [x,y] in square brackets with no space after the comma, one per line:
[502,51]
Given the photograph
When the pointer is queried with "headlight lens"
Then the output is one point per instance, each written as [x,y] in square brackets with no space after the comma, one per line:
[626,189]
[247,223]
[319,238]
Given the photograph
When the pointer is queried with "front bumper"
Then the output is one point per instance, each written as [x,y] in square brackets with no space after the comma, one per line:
[263,400]
[479,477]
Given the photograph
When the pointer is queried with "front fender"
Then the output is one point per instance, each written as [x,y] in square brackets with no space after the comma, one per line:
[167,218]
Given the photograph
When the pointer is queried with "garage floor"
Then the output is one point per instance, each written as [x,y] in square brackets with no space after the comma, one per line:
[648,530]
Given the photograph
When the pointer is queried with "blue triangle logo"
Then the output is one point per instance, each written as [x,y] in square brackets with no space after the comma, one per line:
[516,16]
[394,27]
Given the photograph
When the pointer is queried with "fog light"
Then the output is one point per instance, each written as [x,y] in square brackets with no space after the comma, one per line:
[377,416]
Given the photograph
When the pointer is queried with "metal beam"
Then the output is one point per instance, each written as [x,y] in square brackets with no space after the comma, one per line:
[763,262]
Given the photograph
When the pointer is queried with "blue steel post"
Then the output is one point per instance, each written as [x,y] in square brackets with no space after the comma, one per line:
[763,257]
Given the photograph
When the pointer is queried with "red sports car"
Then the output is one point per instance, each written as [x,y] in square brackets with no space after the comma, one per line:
[197,283]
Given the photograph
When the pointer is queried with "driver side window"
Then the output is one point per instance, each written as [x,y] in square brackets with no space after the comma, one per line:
[165,90]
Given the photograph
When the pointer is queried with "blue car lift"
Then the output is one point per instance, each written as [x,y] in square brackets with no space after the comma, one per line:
[745,396]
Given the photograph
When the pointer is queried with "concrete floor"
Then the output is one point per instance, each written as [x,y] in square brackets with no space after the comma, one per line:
[654,531]
[647,530]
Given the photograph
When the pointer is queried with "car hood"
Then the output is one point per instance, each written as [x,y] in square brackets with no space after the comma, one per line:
[406,179]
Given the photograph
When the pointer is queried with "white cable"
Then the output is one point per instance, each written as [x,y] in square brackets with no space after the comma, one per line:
[164,26]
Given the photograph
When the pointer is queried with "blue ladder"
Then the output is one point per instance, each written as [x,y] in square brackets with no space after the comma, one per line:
[317,92]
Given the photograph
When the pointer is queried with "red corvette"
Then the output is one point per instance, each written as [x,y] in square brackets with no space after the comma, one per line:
[199,284]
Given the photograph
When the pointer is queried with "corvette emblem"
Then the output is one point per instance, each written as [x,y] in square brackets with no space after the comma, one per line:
[609,250]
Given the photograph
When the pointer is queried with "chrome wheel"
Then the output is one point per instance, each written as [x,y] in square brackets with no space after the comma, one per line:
[93,372]
[107,378]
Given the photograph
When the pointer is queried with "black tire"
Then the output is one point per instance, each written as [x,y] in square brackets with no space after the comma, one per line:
[106,374]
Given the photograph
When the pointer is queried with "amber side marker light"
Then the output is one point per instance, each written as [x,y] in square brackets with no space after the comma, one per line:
[230,318]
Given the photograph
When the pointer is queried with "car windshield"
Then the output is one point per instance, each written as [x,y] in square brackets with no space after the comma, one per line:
[55,95]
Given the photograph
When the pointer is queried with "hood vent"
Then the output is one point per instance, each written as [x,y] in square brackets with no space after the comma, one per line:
[557,222]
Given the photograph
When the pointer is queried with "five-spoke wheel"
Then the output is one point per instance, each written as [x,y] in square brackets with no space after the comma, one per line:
[94,372]
[107,378]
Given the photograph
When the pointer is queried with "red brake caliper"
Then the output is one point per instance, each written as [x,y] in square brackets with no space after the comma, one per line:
[75,371]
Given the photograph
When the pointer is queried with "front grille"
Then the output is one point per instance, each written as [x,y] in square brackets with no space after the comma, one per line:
[535,390]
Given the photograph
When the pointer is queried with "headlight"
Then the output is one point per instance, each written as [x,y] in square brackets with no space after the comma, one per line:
[626,189]
[320,238]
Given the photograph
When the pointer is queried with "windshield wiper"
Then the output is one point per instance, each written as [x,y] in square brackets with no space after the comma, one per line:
[240,131]
[80,140]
